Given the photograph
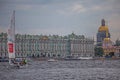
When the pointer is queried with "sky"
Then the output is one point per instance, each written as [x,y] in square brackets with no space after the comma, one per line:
[61,17]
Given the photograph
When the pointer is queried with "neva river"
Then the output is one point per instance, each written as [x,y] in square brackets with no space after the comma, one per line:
[63,70]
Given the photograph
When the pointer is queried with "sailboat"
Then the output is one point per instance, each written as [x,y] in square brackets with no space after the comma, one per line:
[11,39]
[11,44]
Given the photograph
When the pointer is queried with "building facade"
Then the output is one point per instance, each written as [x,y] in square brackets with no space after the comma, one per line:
[108,47]
[49,46]
[117,53]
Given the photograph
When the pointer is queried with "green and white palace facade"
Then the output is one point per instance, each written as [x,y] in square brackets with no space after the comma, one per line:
[49,46]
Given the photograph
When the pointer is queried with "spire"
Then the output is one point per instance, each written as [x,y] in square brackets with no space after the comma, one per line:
[103,22]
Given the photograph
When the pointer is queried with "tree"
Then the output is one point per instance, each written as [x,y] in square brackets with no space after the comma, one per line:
[99,51]
[111,54]
[117,42]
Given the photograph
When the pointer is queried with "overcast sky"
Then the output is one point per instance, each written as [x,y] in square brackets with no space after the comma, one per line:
[61,17]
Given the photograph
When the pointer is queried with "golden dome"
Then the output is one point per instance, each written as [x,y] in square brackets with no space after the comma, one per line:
[107,40]
[103,28]
[44,38]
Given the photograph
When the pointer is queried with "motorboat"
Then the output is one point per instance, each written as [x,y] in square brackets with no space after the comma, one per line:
[84,58]
[52,60]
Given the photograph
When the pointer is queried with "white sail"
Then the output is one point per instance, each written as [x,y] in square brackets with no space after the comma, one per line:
[11,37]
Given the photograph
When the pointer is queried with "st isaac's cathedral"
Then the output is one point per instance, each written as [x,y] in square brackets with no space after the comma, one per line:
[103,29]
[104,41]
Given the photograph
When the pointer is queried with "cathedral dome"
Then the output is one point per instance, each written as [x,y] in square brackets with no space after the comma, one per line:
[103,28]
[44,38]
[107,40]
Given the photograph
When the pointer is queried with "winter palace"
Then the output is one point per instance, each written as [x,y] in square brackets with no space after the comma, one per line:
[49,46]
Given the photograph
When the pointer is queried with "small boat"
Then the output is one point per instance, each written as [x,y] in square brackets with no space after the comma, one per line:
[52,60]
[84,58]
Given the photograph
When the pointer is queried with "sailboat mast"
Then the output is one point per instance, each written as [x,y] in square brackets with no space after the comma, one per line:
[14,25]
[11,38]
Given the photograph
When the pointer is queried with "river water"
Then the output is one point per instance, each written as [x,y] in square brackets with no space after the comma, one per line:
[63,70]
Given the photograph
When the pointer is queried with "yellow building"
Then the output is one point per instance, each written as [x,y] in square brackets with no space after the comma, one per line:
[108,50]
[107,44]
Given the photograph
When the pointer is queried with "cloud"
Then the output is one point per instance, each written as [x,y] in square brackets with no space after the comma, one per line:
[78,8]
[89,6]
[23,7]
[33,14]
[108,5]
[30,6]
[74,9]
[96,8]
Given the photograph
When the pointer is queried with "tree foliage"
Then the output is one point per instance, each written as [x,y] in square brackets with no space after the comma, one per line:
[117,42]
[99,51]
